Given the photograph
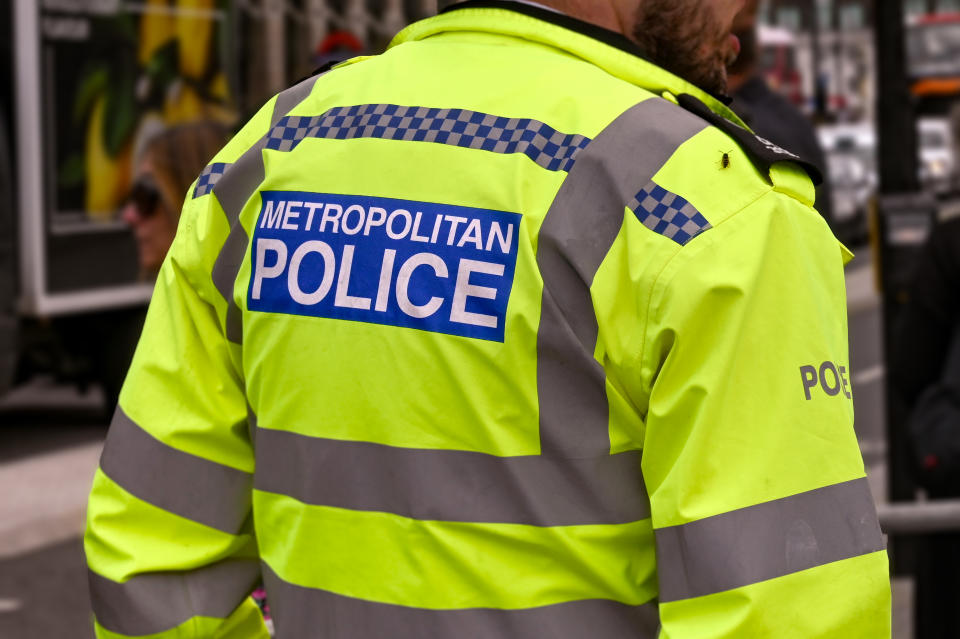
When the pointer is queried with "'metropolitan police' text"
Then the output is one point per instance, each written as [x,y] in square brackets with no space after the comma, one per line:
[435,267]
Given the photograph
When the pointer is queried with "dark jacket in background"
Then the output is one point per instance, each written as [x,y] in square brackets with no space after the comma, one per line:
[928,319]
[924,329]
[773,117]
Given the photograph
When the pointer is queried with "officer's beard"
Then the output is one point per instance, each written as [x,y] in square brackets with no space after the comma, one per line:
[685,38]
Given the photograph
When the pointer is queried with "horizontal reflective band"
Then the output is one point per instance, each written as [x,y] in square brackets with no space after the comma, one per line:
[307,612]
[186,485]
[767,541]
[153,603]
[549,148]
[444,485]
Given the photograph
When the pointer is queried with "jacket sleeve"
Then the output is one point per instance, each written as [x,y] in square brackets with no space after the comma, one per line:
[763,518]
[169,541]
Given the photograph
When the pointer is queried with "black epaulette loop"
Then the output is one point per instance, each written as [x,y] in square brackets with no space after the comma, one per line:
[763,152]
[323,68]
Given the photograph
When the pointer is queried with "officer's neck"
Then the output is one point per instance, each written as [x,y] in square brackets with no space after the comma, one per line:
[613,15]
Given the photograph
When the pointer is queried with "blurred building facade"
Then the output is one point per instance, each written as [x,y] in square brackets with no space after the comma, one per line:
[306,26]
[832,51]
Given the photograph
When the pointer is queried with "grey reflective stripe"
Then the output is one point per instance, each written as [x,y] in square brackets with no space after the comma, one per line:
[233,190]
[156,602]
[308,612]
[447,485]
[288,99]
[186,485]
[240,181]
[225,271]
[576,236]
[237,185]
[767,541]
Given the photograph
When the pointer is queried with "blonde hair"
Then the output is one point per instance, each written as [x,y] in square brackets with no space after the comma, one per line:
[179,155]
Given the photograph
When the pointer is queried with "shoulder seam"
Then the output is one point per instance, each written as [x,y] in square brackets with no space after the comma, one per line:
[654,304]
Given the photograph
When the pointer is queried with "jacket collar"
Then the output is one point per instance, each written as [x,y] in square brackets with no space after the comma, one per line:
[611,51]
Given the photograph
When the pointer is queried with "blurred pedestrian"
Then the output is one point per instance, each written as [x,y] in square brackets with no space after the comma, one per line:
[166,167]
[923,371]
[770,114]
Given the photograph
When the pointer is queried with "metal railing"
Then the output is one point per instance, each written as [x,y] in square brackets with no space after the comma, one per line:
[920,517]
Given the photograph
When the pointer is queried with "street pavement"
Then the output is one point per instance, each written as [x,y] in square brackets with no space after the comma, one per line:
[52,437]
[43,594]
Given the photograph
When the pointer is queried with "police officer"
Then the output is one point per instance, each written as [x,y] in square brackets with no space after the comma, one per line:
[512,331]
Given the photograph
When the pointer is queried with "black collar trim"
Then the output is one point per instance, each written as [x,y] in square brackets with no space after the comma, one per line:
[606,36]
[763,152]
[614,39]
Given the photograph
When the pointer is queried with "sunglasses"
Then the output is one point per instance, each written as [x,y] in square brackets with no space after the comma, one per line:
[144,196]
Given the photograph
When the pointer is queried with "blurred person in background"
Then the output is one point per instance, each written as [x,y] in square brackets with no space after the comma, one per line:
[768,113]
[167,166]
[924,367]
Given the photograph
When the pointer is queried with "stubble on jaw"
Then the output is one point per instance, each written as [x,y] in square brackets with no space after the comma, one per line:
[684,37]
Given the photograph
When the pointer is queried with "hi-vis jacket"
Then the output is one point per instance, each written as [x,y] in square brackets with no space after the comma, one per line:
[489,337]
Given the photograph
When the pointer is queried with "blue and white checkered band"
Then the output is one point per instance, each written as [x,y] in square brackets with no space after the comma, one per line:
[668,214]
[549,148]
[209,178]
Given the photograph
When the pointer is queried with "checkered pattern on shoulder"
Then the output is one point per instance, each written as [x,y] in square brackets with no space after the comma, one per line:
[209,178]
[549,148]
[668,214]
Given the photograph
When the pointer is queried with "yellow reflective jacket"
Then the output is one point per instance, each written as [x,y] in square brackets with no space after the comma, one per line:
[486,337]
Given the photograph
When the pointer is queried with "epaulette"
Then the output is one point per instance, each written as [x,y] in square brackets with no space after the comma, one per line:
[763,152]
[323,68]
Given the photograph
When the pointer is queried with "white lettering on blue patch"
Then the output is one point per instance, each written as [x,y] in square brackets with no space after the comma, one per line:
[434,267]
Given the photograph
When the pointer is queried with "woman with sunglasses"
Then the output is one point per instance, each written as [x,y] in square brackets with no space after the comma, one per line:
[168,165]
[165,166]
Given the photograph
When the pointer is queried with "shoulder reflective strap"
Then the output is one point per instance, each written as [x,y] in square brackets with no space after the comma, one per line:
[237,185]
[578,232]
